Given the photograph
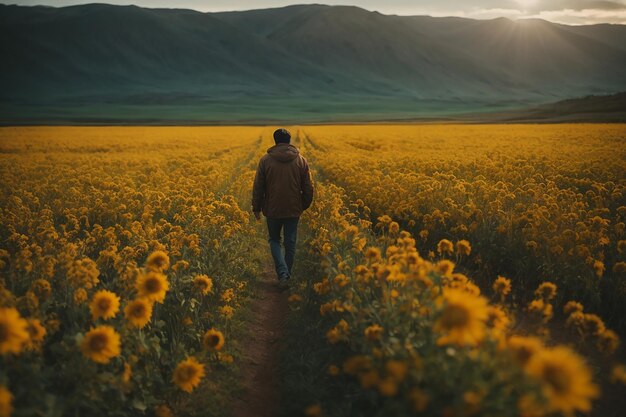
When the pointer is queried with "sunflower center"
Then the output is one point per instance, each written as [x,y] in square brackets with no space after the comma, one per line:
[153,285]
[557,379]
[104,304]
[214,339]
[98,342]
[138,310]
[454,316]
[524,354]
[187,373]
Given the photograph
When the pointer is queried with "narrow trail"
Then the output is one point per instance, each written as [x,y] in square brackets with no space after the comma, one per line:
[261,395]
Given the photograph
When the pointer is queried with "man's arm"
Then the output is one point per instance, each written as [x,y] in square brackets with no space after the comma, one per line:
[306,186]
[258,189]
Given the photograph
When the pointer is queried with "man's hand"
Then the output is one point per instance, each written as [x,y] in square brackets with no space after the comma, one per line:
[257,215]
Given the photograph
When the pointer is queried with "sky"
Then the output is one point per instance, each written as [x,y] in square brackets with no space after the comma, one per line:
[573,12]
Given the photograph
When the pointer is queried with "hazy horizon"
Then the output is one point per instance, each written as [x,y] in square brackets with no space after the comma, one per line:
[572,12]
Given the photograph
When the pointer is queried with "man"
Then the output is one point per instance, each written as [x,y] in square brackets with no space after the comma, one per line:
[282,191]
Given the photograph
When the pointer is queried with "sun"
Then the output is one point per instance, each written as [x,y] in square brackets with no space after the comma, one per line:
[526,3]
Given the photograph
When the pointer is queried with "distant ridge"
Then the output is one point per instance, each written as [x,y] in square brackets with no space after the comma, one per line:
[302,63]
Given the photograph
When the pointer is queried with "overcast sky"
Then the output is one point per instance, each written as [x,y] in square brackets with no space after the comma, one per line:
[561,11]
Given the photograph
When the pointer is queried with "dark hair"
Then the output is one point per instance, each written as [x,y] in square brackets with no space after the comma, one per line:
[282,136]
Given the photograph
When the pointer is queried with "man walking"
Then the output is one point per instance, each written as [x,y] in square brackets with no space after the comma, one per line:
[282,191]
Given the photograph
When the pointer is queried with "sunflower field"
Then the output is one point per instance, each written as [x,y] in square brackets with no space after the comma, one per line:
[442,270]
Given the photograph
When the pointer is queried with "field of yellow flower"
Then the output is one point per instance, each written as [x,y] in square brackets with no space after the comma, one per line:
[123,261]
[443,270]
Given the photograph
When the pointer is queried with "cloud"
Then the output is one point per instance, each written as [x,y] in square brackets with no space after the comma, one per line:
[582,17]
[571,12]
[576,5]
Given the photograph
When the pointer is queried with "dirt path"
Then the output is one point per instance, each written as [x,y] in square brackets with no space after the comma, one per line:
[261,351]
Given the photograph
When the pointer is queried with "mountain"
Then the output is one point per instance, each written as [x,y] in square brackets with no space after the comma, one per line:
[103,63]
[609,108]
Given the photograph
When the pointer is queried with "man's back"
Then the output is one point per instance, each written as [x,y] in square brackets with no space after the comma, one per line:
[282,185]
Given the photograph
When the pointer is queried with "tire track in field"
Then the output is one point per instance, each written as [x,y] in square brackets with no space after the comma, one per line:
[225,184]
[261,394]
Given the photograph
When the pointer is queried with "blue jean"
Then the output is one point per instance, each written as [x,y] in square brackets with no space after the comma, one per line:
[283,263]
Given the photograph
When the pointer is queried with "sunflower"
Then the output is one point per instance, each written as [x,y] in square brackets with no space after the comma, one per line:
[462,319]
[445,267]
[158,261]
[565,380]
[546,291]
[42,289]
[523,348]
[188,374]
[6,402]
[80,296]
[138,312]
[372,253]
[463,247]
[203,283]
[373,332]
[541,309]
[502,286]
[152,286]
[445,246]
[608,342]
[572,307]
[36,333]
[497,320]
[13,331]
[101,344]
[213,340]
[104,304]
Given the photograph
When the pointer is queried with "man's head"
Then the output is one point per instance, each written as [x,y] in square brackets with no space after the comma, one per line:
[282,136]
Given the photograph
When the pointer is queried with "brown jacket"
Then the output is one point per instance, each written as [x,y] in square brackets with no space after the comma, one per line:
[282,184]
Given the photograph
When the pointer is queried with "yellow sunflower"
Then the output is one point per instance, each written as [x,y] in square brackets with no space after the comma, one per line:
[463,247]
[80,296]
[188,374]
[502,286]
[13,331]
[497,320]
[152,286]
[565,380]
[546,291]
[523,348]
[462,319]
[203,283]
[104,304]
[138,312]
[213,340]
[36,333]
[445,246]
[373,332]
[158,261]
[572,307]
[101,344]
